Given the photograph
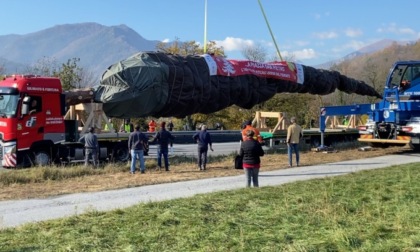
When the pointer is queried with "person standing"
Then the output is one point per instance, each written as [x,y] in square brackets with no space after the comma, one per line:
[109,126]
[294,134]
[152,126]
[248,126]
[136,142]
[250,152]
[34,106]
[203,139]
[90,140]
[170,125]
[164,138]
[127,126]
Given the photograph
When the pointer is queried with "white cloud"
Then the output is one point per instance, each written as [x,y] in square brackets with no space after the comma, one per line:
[166,40]
[393,28]
[302,43]
[326,35]
[407,31]
[303,54]
[351,32]
[233,44]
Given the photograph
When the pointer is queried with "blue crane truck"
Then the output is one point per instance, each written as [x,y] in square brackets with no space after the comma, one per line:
[395,119]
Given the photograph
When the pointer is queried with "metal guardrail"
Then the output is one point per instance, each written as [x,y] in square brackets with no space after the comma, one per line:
[217,136]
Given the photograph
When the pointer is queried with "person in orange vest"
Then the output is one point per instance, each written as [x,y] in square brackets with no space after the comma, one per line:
[152,126]
[256,136]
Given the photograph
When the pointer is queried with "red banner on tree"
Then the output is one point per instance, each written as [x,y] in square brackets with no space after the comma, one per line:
[276,70]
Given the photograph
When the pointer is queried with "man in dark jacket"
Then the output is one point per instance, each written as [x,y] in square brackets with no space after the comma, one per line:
[170,125]
[203,139]
[136,143]
[164,138]
[251,151]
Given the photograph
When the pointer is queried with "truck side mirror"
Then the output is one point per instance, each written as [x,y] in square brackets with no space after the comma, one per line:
[63,104]
[25,105]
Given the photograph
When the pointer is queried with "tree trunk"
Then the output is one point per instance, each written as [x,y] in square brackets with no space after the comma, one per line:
[77,96]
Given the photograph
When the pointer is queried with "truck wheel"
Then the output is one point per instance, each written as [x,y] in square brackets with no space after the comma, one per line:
[120,153]
[41,158]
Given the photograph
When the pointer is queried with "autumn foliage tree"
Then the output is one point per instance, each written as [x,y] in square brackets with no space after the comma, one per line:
[189,48]
[70,73]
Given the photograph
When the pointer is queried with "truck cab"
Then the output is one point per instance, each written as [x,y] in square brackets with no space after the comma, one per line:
[396,116]
[406,77]
[31,118]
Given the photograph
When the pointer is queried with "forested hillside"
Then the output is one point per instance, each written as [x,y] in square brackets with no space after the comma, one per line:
[371,68]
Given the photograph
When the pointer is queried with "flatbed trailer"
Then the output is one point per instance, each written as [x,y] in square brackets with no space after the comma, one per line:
[313,136]
[217,136]
[181,137]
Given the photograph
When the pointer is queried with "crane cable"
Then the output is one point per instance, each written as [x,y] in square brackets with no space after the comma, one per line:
[268,25]
[266,20]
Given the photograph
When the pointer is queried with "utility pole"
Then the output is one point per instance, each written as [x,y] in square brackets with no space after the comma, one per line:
[205,27]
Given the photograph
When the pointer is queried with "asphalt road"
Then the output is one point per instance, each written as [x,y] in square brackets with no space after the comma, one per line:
[17,212]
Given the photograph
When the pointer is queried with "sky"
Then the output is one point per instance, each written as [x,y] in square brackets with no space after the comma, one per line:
[310,32]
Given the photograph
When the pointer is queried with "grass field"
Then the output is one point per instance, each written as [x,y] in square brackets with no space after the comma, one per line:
[374,210]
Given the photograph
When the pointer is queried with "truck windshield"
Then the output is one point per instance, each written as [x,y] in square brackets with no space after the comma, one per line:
[8,105]
[396,76]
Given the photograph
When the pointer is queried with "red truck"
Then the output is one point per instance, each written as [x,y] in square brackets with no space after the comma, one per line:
[33,130]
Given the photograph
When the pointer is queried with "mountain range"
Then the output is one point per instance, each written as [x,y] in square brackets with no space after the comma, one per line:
[374,47]
[97,46]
